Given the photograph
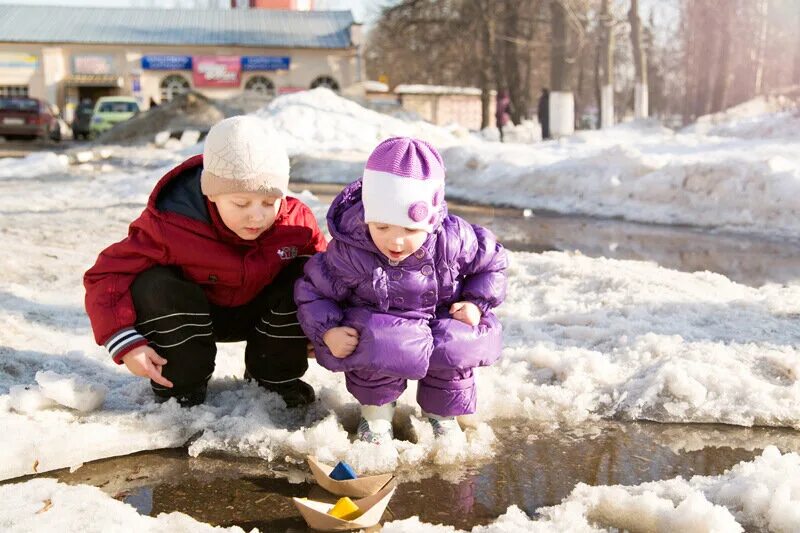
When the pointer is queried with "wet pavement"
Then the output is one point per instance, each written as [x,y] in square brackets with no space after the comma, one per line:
[751,260]
[530,469]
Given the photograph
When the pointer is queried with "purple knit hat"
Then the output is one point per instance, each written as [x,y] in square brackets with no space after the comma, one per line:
[403,184]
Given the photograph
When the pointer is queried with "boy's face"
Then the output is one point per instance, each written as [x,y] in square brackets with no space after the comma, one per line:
[396,242]
[247,214]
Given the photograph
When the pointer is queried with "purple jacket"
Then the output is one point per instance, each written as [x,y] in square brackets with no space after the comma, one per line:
[401,312]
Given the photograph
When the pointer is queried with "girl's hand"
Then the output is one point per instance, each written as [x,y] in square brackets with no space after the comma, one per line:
[466,312]
[145,362]
[341,341]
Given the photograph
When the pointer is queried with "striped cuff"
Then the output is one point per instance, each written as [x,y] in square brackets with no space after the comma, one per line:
[122,340]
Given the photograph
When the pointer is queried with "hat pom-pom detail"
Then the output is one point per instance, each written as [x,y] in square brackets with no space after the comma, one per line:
[418,211]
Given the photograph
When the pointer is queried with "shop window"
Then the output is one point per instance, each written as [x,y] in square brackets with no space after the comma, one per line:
[13,90]
[261,85]
[173,85]
[325,81]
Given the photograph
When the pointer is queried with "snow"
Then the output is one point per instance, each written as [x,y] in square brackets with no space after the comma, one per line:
[640,171]
[36,164]
[585,338]
[47,505]
[319,120]
[761,117]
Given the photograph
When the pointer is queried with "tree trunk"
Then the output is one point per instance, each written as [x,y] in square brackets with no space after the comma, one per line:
[639,61]
[722,79]
[489,64]
[512,81]
[763,12]
[559,63]
[796,73]
[605,59]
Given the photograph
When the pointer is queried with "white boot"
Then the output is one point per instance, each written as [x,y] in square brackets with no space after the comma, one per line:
[375,425]
[444,426]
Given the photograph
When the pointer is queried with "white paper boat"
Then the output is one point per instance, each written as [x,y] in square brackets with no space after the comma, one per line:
[357,488]
[316,515]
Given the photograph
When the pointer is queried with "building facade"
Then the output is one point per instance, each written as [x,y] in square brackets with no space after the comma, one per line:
[66,55]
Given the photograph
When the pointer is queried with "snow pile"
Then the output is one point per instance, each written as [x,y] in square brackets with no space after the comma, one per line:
[640,172]
[47,505]
[32,165]
[321,121]
[760,118]
[761,495]
[598,337]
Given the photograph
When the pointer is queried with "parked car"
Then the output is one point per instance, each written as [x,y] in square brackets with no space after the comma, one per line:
[111,110]
[28,117]
[83,120]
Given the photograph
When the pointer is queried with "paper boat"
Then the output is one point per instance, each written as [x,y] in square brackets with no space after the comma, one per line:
[358,488]
[316,514]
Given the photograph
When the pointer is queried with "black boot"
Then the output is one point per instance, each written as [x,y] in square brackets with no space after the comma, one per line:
[296,392]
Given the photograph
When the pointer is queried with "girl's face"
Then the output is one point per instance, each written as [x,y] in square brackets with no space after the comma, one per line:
[396,242]
[247,214]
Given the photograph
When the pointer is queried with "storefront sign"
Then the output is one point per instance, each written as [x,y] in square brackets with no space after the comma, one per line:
[92,64]
[27,61]
[250,63]
[167,62]
[216,71]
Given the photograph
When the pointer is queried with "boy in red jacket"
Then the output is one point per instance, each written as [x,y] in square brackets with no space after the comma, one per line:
[213,258]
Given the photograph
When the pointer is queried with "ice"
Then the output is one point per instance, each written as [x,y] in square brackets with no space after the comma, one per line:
[28,399]
[72,391]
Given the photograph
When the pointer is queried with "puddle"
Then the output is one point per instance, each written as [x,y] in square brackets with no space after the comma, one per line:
[530,469]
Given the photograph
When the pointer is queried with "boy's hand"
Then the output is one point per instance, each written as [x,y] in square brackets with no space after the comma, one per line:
[341,341]
[466,312]
[145,362]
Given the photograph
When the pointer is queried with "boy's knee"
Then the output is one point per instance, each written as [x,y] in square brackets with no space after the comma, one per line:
[163,288]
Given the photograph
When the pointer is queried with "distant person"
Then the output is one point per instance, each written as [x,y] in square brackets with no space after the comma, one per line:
[502,111]
[405,291]
[213,258]
[543,112]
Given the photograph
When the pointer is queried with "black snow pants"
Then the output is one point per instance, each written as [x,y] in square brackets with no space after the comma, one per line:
[175,316]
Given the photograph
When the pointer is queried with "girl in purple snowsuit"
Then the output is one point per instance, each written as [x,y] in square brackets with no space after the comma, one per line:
[404,291]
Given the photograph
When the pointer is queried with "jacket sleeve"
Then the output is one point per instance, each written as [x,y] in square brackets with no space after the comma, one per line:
[108,298]
[484,264]
[318,295]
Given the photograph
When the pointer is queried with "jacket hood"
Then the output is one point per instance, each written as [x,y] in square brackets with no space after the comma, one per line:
[346,219]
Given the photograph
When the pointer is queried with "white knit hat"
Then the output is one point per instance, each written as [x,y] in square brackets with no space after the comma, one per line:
[244,154]
[403,184]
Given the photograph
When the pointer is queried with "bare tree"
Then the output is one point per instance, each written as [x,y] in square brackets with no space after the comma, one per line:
[639,61]
[560,60]
[604,70]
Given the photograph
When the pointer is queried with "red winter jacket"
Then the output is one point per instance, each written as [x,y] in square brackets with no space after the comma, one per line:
[181,227]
